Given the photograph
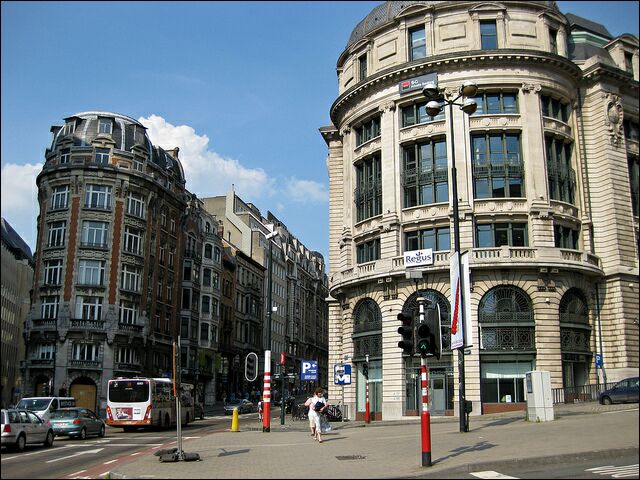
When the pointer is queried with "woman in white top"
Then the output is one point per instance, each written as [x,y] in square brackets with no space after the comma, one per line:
[314,414]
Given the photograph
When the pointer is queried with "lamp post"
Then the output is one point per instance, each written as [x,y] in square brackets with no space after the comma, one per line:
[435,95]
[266,418]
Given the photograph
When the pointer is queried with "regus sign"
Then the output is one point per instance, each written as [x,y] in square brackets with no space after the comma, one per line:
[417,258]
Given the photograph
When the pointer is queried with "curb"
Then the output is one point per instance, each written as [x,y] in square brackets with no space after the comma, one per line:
[532,461]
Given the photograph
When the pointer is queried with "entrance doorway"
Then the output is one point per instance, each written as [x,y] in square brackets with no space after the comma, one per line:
[84,391]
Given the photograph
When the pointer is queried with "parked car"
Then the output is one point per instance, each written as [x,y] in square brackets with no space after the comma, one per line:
[243,405]
[23,427]
[43,406]
[622,392]
[77,422]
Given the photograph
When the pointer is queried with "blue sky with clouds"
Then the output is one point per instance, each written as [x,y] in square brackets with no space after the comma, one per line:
[241,87]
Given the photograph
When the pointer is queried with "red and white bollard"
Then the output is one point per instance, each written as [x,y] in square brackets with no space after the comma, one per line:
[425,418]
[367,411]
[266,400]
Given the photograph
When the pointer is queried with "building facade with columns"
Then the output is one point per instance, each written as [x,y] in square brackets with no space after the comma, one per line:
[547,183]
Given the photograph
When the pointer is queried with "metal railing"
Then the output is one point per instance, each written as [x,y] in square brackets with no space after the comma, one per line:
[582,393]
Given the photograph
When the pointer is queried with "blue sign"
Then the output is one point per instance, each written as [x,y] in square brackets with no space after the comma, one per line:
[309,370]
[342,374]
[598,360]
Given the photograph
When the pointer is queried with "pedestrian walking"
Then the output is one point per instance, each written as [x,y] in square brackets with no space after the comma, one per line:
[260,410]
[317,405]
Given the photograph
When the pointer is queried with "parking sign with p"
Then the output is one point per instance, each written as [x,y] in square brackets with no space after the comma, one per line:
[309,370]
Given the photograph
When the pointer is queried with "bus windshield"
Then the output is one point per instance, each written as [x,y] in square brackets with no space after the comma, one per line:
[129,391]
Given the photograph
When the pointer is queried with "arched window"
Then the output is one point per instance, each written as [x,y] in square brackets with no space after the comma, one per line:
[367,329]
[506,320]
[574,323]
[433,297]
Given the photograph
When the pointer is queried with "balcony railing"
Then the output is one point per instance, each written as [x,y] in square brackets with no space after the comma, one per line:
[86,364]
[130,327]
[45,323]
[87,324]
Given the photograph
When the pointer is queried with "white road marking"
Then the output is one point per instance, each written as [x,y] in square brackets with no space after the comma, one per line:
[96,450]
[622,471]
[110,461]
[490,474]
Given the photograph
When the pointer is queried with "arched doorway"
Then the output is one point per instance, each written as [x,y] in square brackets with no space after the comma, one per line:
[575,334]
[84,390]
[367,340]
[507,347]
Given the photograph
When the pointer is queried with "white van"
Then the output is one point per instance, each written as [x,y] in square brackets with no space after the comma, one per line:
[43,406]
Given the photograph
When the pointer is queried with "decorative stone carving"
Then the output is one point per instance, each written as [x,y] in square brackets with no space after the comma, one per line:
[613,118]
[531,87]
[387,107]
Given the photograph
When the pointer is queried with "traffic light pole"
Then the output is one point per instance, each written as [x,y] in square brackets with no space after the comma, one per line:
[425,417]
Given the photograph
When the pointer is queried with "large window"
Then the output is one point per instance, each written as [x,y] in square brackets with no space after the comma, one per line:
[89,308]
[553,40]
[91,272]
[367,131]
[98,196]
[498,171]
[554,108]
[499,234]
[94,234]
[434,238]
[130,278]
[65,155]
[128,312]
[562,177]
[417,113]
[85,351]
[56,234]
[49,308]
[496,103]
[60,197]
[53,272]
[425,174]
[566,237]
[135,205]
[488,35]
[45,351]
[368,194]
[132,240]
[418,43]
[634,181]
[368,251]
[127,355]
[102,156]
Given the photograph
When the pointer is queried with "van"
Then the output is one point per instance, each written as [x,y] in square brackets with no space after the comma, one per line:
[43,406]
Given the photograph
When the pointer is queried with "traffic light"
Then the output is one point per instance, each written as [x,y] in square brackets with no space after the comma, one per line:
[406,330]
[429,341]
[365,370]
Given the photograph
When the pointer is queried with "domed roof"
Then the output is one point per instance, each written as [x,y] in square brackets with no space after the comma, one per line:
[122,131]
[387,12]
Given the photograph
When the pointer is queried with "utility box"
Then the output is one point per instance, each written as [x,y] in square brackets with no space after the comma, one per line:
[539,398]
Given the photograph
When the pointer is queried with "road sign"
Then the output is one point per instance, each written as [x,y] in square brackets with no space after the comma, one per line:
[309,370]
[342,374]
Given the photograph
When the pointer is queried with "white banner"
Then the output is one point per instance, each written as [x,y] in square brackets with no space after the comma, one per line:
[457,339]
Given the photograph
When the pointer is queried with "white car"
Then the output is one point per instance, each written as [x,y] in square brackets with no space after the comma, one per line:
[23,427]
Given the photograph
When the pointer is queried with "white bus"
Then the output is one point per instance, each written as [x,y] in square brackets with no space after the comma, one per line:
[146,402]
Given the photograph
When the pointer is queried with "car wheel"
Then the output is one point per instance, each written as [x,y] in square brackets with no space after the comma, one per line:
[83,433]
[49,440]
[606,401]
[102,431]
[20,443]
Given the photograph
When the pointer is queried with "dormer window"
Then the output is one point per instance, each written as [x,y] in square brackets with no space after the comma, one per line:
[102,156]
[65,155]
[69,128]
[105,125]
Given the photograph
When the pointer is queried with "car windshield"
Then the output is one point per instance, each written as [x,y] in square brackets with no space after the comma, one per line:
[33,403]
[64,414]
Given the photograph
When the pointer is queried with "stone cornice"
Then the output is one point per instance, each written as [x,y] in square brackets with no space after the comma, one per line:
[471,60]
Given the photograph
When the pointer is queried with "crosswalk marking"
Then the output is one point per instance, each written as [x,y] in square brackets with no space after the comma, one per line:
[490,474]
[622,471]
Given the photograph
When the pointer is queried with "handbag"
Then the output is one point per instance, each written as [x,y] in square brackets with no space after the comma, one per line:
[318,406]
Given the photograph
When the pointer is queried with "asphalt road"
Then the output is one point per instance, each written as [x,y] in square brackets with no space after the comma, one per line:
[69,456]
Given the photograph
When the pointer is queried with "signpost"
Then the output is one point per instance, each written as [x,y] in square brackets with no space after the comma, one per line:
[309,370]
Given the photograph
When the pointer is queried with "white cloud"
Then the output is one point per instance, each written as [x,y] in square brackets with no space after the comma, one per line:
[207,173]
[20,199]
[306,191]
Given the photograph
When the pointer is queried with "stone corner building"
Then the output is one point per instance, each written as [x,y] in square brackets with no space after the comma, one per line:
[547,180]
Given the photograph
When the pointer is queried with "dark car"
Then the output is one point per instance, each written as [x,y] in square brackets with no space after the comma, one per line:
[22,427]
[624,391]
[243,405]
[77,422]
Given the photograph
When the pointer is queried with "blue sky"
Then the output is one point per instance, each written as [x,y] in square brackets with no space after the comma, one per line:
[241,87]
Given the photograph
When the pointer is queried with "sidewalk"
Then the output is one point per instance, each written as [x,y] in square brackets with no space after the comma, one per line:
[393,449]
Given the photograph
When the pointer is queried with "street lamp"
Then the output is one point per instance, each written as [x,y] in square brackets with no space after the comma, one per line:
[436,96]
[266,418]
